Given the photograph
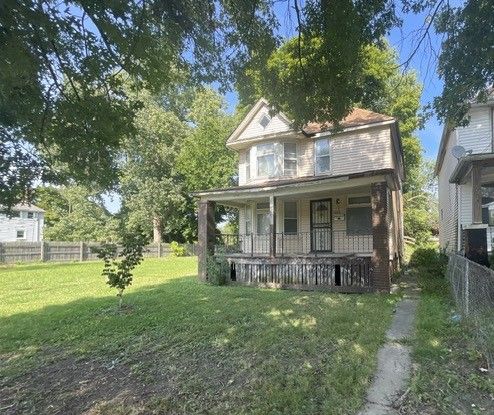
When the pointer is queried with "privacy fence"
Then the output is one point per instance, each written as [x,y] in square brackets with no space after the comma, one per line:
[473,290]
[13,252]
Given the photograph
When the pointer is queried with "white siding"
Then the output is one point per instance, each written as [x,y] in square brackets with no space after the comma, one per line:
[254,129]
[477,135]
[33,229]
[351,152]
[448,213]
[361,151]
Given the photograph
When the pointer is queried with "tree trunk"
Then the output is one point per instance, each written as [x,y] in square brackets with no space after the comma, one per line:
[157,230]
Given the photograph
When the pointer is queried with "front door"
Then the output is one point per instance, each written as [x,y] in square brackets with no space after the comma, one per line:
[320,225]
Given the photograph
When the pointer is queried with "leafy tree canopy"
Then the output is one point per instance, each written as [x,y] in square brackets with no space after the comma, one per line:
[74,213]
[64,109]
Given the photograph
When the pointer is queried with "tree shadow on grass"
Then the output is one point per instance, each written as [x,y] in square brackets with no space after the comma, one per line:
[186,347]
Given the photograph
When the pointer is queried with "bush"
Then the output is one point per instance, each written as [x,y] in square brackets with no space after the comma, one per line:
[217,269]
[431,264]
[178,249]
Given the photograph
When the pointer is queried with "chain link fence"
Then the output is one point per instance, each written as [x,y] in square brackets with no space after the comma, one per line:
[473,290]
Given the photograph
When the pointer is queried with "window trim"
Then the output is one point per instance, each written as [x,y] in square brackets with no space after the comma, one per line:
[261,211]
[293,173]
[296,218]
[330,148]
[359,204]
[272,153]
[247,165]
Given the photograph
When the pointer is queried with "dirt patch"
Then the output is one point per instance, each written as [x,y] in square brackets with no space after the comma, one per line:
[69,385]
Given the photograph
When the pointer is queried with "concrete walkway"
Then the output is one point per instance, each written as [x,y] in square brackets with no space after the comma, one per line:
[393,359]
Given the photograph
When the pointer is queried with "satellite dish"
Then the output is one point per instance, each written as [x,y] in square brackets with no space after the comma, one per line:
[458,152]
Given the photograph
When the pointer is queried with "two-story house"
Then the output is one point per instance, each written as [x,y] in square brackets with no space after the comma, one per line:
[465,171]
[318,207]
[24,224]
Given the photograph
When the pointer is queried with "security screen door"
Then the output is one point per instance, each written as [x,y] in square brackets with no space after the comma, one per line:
[320,225]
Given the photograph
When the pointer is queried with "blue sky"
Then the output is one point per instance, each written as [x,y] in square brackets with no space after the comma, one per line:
[404,40]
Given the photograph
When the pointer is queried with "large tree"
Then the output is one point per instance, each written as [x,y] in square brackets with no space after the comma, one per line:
[152,194]
[64,110]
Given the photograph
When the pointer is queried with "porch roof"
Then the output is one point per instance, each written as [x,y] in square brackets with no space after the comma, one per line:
[465,164]
[300,185]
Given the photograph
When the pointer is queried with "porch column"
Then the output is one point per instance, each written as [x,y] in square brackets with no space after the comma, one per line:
[205,235]
[380,237]
[476,194]
[272,226]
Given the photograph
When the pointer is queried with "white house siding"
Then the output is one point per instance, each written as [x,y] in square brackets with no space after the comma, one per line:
[351,152]
[448,204]
[361,151]
[33,229]
[254,129]
[477,135]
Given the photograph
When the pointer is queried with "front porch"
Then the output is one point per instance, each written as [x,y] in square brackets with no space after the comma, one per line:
[336,237]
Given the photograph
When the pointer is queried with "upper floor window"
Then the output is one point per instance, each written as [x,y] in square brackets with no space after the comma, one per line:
[247,165]
[30,215]
[20,234]
[265,160]
[322,156]
[289,159]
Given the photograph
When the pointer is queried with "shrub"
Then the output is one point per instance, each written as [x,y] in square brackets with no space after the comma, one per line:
[118,266]
[178,249]
[431,265]
[217,269]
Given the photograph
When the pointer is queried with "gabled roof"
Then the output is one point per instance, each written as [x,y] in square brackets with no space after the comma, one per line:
[249,117]
[356,118]
[24,207]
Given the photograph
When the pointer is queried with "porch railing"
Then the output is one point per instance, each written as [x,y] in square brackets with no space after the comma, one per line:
[316,242]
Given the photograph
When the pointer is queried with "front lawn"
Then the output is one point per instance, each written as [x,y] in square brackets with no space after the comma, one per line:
[180,346]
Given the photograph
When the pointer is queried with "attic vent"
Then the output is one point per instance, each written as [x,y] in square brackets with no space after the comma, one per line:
[264,121]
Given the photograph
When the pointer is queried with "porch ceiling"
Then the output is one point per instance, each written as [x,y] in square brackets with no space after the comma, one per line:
[306,187]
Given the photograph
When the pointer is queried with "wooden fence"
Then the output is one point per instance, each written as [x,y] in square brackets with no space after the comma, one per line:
[13,252]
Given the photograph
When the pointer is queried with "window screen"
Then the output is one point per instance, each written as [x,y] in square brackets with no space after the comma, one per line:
[322,156]
[265,160]
[359,220]
[290,159]
[290,217]
[248,220]
[262,216]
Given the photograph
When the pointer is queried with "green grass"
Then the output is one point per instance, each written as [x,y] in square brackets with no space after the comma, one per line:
[447,377]
[180,346]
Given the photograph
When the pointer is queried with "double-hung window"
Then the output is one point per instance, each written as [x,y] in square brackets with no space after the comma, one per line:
[359,216]
[265,160]
[262,218]
[248,220]
[290,159]
[290,219]
[322,148]
[247,165]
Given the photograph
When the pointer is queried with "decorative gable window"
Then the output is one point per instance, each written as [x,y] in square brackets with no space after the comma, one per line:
[322,149]
[359,216]
[265,160]
[264,121]
[290,159]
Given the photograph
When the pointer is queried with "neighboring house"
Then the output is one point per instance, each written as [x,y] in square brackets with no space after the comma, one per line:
[465,169]
[25,223]
[317,208]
